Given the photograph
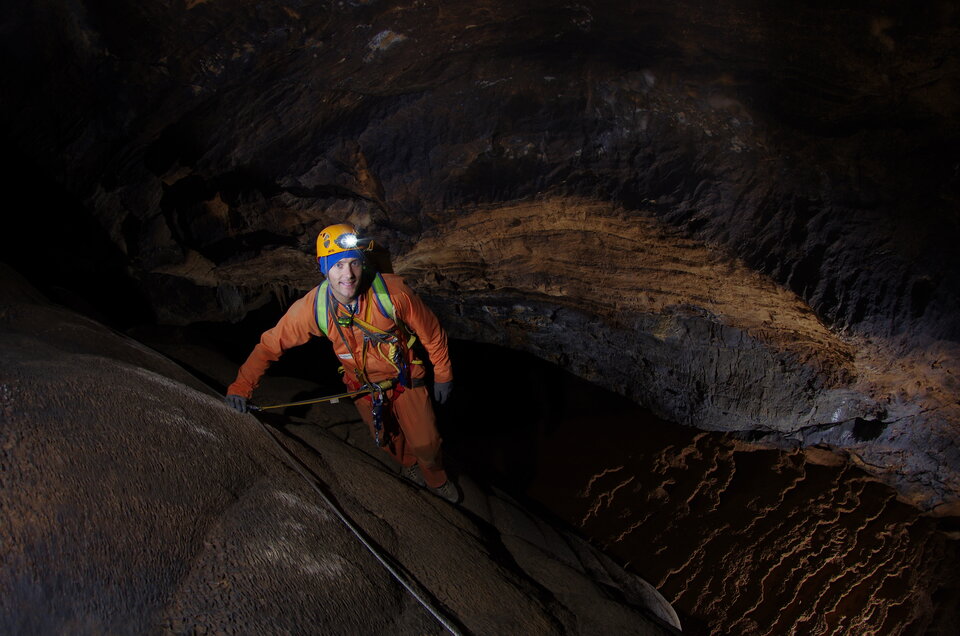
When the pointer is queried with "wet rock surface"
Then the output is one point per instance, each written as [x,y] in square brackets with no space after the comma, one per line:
[135,501]
[776,542]
[740,536]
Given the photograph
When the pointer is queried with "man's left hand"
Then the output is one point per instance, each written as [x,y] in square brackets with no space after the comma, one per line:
[237,403]
[442,391]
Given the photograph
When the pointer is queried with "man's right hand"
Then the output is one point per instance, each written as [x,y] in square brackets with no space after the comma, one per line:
[236,402]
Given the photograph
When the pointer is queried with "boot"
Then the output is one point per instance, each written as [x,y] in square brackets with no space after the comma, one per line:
[447,490]
[412,473]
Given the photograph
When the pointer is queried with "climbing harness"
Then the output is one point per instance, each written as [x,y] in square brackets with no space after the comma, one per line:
[396,570]
[391,347]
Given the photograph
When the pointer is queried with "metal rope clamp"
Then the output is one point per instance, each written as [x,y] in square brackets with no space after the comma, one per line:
[377,397]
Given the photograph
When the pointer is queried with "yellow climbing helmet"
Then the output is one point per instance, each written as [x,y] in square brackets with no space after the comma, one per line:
[339,241]
[336,238]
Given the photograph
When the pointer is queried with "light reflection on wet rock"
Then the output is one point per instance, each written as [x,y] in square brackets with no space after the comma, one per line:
[742,539]
[759,541]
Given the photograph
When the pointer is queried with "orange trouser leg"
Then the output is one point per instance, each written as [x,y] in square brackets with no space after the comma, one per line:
[410,426]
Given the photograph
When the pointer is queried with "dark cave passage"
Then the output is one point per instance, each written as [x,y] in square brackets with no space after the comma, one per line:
[740,538]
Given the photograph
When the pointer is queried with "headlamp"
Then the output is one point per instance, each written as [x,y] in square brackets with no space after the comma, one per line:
[347,241]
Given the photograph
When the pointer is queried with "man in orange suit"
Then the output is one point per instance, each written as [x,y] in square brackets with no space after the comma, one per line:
[372,319]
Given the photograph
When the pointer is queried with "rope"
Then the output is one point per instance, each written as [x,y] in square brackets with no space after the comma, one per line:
[328,398]
[401,577]
[379,387]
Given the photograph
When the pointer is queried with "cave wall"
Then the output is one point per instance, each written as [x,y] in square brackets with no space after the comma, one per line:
[135,501]
[741,215]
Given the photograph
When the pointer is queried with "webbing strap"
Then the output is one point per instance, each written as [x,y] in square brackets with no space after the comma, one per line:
[375,333]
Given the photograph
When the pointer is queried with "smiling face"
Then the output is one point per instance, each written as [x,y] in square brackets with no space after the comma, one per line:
[344,279]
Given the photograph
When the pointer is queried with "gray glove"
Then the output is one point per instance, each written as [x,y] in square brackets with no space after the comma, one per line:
[236,402]
[442,391]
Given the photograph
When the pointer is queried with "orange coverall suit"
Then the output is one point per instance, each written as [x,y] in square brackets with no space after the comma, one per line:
[408,420]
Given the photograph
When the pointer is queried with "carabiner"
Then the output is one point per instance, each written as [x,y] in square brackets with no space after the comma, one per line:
[376,397]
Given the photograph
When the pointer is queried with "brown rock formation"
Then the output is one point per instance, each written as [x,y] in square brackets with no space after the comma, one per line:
[134,501]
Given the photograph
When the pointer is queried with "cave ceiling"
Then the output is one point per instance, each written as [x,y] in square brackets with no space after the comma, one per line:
[741,214]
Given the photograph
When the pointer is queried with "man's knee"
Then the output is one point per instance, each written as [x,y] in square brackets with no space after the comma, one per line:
[427,454]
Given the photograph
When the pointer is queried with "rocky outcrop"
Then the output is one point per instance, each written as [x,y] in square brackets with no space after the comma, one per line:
[134,501]
[744,218]
[700,339]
